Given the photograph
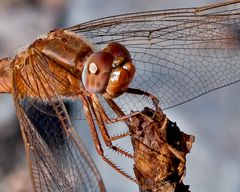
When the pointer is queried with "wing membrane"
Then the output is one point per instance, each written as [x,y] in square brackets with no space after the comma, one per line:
[180,54]
[45,172]
[58,160]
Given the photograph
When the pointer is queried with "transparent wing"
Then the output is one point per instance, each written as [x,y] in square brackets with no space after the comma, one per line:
[180,54]
[57,159]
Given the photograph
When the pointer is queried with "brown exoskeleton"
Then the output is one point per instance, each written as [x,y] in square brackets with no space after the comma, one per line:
[63,65]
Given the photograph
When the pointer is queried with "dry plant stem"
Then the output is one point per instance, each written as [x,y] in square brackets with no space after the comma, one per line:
[160,150]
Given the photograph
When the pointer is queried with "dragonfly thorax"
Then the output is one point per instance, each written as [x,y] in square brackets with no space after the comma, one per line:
[109,71]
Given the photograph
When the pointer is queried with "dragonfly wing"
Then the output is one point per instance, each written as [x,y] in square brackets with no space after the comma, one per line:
[57,158]
[180,54]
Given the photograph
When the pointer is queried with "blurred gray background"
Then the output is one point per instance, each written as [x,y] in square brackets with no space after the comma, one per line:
[213,164]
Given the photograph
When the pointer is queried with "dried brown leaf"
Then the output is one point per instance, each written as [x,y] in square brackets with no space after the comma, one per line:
[160,150]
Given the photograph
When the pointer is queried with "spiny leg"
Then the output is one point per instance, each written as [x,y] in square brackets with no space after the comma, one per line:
[121,116]
[141,92]
[106,137]
[96,140]
[103,118]
[120,113]
[106,119]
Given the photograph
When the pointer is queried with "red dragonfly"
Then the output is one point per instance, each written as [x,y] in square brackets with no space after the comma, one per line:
[176,55]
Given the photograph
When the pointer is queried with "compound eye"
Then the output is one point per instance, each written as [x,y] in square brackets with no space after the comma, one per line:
[120,53]
[96,72]
[119,80]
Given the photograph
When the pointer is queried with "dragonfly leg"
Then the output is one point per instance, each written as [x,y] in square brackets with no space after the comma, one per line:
[96,140]
[120,113]
[118,136]
[121,116]
[115,108]
[106,137]
[141,92]
[103,116]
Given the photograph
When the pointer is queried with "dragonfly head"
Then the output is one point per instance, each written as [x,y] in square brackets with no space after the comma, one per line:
[109,71]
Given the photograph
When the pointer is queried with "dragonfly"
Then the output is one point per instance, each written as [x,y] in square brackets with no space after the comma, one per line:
[113,66]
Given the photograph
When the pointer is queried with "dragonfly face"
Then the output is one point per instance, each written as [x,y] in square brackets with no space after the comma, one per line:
[109,71]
